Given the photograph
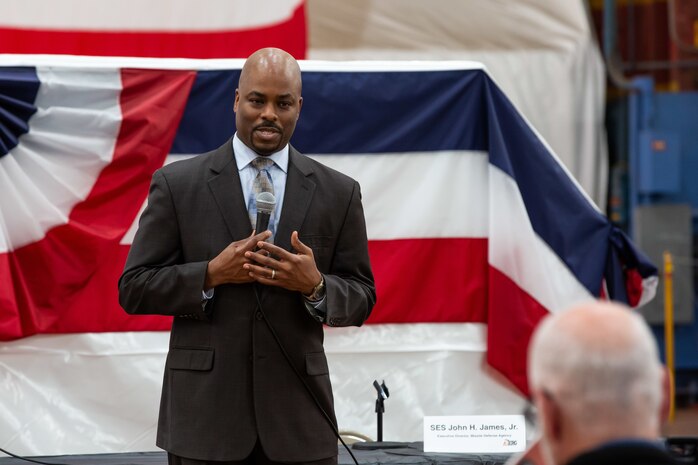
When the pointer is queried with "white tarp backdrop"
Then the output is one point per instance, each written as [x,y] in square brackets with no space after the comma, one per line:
[99,393]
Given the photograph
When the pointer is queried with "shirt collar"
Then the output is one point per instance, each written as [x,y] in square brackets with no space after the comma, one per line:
[244,155]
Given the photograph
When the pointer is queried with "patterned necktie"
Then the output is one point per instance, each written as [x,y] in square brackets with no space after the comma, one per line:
[262,183]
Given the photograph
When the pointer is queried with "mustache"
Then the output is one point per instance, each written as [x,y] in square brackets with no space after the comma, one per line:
[268,126]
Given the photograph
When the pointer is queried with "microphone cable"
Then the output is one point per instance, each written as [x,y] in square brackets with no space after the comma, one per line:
[300,377]
[28,459]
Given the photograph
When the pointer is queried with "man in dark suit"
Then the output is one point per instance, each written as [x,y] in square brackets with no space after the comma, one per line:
[229,393]
[599,387]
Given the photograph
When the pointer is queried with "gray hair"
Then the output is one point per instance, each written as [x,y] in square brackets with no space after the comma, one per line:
[599,361]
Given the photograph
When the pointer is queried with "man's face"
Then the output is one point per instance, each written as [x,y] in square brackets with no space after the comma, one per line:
[267,106]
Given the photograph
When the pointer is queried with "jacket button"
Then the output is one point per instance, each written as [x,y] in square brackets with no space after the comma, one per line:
[258,315]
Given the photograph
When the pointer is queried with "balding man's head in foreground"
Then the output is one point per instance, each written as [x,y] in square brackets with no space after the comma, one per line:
[595,376]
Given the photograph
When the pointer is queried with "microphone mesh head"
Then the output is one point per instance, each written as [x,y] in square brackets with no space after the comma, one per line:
[266,202]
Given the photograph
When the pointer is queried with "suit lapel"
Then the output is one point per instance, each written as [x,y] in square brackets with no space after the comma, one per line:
[299,193]
[226,189]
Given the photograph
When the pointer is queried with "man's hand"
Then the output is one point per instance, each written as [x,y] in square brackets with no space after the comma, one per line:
[274,266]
[227,267]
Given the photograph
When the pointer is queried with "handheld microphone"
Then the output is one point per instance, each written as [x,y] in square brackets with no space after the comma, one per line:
[265,206]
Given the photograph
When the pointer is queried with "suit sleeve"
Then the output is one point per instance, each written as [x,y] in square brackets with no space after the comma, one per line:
[351,292]
[155,279]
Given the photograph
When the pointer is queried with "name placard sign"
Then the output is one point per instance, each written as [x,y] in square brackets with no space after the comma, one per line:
[475,434]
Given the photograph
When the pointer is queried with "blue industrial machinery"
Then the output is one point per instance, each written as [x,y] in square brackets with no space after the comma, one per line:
[655,137]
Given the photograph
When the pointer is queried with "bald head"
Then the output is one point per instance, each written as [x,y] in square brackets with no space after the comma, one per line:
[271,61]
[599,327]
[268,100]
[598,364]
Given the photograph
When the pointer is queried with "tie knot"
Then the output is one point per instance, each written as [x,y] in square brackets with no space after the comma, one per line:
[262,163]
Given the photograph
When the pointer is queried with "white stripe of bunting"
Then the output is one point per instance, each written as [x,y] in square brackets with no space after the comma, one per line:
[421,194]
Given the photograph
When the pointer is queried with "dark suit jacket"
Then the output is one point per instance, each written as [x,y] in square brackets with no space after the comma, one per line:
[631,452]
[226,382]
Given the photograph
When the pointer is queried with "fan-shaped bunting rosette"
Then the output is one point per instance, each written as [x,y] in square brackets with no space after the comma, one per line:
[57,134]
[18,88]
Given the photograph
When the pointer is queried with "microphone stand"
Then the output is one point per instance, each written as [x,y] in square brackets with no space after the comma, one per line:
[383,393]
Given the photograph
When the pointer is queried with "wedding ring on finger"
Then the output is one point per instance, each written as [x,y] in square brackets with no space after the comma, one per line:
[273,274]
